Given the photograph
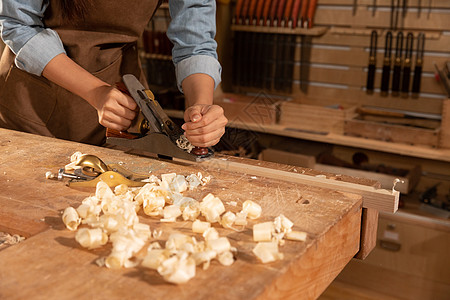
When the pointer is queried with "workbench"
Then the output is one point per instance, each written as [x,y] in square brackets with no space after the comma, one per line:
[50,264]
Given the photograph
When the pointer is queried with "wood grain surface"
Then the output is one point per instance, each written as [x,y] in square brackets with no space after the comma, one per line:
[50,264]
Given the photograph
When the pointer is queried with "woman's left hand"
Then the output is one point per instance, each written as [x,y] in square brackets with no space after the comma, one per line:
[205,124]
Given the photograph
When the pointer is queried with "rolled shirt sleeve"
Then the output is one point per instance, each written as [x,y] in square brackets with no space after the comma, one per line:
[23,32]
[192,31]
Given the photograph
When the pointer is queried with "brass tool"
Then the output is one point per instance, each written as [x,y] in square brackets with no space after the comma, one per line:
[89,170]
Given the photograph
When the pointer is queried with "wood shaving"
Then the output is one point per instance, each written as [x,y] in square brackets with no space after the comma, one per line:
[7,239]
[183,143]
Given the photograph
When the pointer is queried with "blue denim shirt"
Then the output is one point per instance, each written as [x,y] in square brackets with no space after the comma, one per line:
[191,30]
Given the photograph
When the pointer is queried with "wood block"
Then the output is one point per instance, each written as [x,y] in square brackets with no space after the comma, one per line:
[392,133]
[261,109]
[288,158]
[386,181]
[369,225]
[314,117]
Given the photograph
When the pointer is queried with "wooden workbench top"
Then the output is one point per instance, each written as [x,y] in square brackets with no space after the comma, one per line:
[50,264]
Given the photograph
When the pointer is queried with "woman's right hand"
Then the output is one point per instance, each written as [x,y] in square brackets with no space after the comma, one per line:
[115,109]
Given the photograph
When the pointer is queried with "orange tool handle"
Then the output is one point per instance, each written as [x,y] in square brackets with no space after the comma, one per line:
[287,12]
[295,12]
[273,12]
[266,10]
[251,11]
[237,14]
[245,10]
[303,13]
[258,13]
[280,10]
[311,12]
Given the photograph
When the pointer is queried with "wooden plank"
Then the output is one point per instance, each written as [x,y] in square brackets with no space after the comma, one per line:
[349,57]
[382,200]
[369,224]
[315,31]
[386,3]
[332,220]
[354,96]
[357,77]
[288,158]
[363,41]
[387,147]
[326,16]
[392,133]
[386,181]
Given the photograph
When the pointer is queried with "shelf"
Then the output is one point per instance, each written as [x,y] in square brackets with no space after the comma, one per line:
[315,31]
[402,149]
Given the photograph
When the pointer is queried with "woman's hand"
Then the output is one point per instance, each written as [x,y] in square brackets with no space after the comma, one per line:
[205,124]
[115,109]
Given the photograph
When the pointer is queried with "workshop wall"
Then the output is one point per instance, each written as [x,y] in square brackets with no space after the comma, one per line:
[339,58]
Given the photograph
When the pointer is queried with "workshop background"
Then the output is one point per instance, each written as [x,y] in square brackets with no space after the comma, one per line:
[355,87]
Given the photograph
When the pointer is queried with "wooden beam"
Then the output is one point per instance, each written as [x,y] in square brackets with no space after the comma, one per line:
[379,199]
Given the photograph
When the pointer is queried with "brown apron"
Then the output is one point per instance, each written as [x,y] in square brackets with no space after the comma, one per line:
[105,44]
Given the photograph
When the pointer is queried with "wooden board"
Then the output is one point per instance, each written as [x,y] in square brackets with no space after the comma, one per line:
[392,133]
[331,218]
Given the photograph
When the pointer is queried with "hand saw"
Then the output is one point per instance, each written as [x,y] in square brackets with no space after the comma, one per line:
[158,133]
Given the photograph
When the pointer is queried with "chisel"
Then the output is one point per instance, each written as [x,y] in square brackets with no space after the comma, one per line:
[385,76]
[311,11]
[396,76]
[407,65]
[418,66]
[372,62]
[304,13]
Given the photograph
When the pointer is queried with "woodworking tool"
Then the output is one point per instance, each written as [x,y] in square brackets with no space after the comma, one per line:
[385,76]
[404,11]
[304,13]
[89,170]
[238,9]
[372,62]
[407,65]
[418,66]
[355,6]
[311,11]
[374,4]
[158,133]
[396,76]
[295,14]
[259,12]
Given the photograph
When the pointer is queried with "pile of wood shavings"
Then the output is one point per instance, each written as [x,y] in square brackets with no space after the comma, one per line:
[111,216]
[7,240]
